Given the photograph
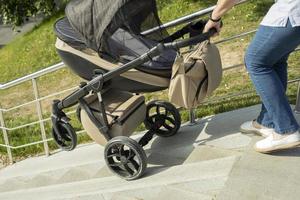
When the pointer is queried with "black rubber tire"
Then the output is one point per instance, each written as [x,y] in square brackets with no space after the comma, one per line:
[172,114]
[66,139]
[118,162]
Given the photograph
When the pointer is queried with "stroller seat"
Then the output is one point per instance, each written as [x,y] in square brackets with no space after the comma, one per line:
[123,47]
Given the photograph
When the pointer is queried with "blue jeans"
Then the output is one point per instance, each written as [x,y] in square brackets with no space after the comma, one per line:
[266,62]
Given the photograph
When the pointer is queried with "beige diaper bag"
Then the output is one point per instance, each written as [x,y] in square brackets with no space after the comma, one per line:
[195,75]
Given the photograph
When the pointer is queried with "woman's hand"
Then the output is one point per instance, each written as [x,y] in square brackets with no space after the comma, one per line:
[210,24]
[223,6]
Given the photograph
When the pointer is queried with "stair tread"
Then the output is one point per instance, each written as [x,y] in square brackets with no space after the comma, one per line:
[155,177]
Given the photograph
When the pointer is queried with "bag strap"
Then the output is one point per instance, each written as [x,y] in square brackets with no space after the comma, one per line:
[200,85]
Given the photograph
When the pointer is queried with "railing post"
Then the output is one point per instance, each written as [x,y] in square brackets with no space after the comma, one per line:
[297,107]
[192,117]
[40,115]
[5,136]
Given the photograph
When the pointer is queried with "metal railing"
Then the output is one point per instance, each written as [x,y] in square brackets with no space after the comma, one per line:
[38,99]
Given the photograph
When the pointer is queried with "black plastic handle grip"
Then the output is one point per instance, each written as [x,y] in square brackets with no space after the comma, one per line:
[191,41]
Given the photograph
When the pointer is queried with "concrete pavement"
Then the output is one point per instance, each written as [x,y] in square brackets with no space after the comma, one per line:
[211,160]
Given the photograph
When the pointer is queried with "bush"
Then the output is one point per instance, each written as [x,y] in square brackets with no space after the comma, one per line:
[16,12]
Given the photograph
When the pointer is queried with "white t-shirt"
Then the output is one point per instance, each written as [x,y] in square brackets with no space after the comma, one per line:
[281,12]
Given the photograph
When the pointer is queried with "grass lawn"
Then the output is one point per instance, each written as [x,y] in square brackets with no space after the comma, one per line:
[35,50]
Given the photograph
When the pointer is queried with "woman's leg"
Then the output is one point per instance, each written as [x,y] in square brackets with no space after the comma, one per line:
[269,47]
[281,69]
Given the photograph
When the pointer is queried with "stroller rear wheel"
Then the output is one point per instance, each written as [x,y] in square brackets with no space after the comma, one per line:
[163,118]
[125,158]
[65,136]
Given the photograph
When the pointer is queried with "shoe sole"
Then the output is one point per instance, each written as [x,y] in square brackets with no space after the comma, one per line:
[278,148]
[251,132]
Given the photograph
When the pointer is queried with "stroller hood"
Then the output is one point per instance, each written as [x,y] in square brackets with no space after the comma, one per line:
[96,20]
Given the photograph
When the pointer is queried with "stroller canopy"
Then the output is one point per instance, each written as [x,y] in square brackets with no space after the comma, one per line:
[97,20]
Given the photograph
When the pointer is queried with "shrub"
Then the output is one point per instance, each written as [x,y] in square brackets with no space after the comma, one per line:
[16,12]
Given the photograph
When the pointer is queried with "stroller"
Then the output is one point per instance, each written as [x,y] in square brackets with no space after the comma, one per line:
[106,43]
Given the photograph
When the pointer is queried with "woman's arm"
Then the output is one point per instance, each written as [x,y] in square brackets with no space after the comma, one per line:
[223,6]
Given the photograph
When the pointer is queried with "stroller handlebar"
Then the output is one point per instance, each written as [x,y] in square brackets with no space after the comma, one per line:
[191,41]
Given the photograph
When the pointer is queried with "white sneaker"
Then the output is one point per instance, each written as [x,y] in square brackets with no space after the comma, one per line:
[277,142]
[254,127]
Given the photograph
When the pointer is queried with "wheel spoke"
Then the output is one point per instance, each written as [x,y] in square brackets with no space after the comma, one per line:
[153,119]
[128,169]
[167,127]
[113,155]
[121,150]
[167,113]
[69,137]
[131,154]
[116,164]
[62,140]
[158,110]
[171,120]
[135,165]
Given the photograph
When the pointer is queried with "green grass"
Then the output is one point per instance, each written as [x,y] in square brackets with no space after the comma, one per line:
[30,52]
[35,50]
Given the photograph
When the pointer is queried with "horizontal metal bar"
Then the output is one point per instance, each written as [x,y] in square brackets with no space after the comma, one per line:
[294,80]
[235,37]
[6,146]
[33,123]
[35,143]
[233,66]
[185,19]
[32,76]
[227,96]
[32,143]
[240,93]
[40,99]
[181,20]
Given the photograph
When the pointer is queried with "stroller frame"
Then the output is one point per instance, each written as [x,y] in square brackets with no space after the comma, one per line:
[63,131]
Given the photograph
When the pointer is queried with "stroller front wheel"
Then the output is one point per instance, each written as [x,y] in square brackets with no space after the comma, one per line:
[65,137]
[125,158]
[163,118]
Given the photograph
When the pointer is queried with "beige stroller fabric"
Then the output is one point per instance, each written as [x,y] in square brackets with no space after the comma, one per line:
[94,58]
[124,113]
[195,75]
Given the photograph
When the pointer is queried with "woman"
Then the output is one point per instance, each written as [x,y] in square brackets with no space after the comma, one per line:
[266,61]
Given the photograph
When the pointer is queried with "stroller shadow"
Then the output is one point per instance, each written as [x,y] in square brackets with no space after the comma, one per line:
[167,152]
[164,153]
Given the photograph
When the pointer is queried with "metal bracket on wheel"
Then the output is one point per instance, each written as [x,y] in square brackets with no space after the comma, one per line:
[57,115]
[146,138]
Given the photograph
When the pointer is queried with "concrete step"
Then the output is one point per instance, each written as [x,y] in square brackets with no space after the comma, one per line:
[192,144]
[58,176]
[158,181]
[159,157]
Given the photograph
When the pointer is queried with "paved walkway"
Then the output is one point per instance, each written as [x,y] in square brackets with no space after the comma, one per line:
[7,34]
[211,160]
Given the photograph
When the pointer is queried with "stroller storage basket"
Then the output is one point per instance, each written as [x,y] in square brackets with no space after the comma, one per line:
[124,111]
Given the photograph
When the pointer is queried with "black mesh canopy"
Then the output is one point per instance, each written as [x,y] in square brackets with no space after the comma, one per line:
[97,20]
